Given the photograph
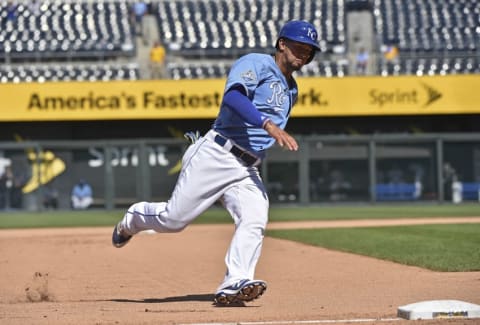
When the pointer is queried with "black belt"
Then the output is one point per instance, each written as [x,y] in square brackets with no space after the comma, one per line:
[241,154]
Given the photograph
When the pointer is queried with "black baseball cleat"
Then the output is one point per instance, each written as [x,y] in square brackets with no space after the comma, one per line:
[119,237]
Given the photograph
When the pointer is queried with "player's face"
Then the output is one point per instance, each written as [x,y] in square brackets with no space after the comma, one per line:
[301,52]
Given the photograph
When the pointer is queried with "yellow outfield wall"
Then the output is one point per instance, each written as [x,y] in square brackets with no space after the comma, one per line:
[192,99]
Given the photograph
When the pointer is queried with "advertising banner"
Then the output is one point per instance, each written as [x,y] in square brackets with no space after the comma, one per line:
[198,99]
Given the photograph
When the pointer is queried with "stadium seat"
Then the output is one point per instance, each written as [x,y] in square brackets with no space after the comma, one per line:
[428,25]
[199,69]
[397,192]
[87,29]
[223,28]
[433,37]
[471,191]
[69,72]
[433,65]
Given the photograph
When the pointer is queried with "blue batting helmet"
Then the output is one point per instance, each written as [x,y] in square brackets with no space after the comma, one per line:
[300,31]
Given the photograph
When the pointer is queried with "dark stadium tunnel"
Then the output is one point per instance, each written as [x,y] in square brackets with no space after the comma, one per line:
[89,130]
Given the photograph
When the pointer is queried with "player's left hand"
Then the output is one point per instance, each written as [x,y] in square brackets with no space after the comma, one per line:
[283,139]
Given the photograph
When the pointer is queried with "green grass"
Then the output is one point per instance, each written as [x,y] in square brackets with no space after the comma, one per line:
[380,211]
[437,247]
[453,247]
[94,218]
[56,219]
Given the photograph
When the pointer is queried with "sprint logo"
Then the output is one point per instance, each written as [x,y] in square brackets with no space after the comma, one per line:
[413,96]
[432,95]
[45,167]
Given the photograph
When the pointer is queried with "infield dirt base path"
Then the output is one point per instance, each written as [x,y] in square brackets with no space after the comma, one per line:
[75,276]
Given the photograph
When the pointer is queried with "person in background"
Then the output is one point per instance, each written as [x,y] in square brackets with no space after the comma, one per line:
[82,195]
[339,186]
[139,11]
[50,197]
[362,61]
[34,7]
[391,53]
[5,185]
[18,182]
[157,60]
[11,183]
[11,11]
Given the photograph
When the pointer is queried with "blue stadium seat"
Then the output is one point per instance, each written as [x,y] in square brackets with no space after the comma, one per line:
[471,191]
[396,192]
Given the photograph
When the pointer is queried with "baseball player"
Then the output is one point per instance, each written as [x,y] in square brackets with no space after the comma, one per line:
[223,164]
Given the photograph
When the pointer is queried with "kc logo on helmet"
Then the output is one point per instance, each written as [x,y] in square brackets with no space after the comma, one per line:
[312,34]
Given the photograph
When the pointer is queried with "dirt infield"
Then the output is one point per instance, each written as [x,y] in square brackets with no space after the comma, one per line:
[75,276]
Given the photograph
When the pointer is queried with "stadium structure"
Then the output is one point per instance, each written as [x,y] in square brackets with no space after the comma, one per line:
[65,41]
[55,55]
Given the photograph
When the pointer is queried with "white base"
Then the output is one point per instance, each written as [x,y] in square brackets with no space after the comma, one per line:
[434,309]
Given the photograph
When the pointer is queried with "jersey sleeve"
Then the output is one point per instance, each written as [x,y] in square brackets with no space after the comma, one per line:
[245,73]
